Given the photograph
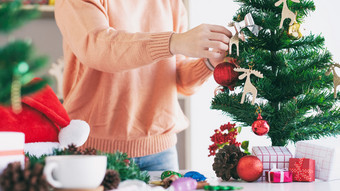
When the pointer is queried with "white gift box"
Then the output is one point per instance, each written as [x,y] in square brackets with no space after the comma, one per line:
[11,148]
[326,156]
[272,156]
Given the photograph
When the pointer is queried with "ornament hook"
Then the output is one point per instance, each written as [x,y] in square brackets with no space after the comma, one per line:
[251,65]
[258,110]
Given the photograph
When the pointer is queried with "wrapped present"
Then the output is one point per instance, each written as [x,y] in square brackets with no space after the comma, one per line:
[11,148]
[278,156]
[303,169]
[279,175]
[325,154]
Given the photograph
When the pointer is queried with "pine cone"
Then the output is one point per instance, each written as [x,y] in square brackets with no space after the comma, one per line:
[226,160]
[90,151]
[31,178]
[72,149]
[111,180]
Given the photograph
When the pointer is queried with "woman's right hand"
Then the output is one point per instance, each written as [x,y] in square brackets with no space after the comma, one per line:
[203,41]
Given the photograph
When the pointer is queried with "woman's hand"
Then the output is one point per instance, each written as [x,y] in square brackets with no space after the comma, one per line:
[203,41]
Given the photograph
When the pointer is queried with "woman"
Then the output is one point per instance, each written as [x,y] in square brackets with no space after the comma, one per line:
[125,63]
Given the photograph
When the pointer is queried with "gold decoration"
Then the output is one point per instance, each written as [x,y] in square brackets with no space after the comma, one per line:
[294,31]
[16,95]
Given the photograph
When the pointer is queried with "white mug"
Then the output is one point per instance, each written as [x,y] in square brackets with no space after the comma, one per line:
[11,148]
[75,171]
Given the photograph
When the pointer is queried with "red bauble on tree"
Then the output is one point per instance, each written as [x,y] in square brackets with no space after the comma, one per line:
[225,75]
[260,126]
[249,168]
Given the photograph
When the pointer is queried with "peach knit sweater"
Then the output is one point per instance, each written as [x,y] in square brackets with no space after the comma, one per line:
[119,73]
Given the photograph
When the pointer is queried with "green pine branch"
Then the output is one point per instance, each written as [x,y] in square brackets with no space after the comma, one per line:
[230,105]
[326,123]
[303,8]
[307,42]
[266,9]
[118,162]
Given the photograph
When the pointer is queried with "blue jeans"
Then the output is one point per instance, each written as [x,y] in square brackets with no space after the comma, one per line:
[165,160]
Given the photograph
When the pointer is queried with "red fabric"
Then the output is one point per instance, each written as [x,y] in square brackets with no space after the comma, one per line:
[41,116]
[303,169]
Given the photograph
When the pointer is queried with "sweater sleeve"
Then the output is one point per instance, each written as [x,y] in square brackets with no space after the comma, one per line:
[190,73]
[85,28]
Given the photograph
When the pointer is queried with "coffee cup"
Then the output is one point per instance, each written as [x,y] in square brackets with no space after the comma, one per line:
[75,171]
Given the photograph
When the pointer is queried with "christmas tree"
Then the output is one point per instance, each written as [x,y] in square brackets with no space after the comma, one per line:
[17,58]
[294,95]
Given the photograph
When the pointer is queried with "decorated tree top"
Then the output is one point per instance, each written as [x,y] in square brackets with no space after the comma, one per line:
[17,57]
[295,94]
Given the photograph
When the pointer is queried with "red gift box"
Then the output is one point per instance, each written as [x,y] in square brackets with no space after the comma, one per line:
[303,169]
[279,175]
[277,156]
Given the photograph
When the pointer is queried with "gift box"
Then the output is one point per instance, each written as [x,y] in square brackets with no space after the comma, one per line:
[279,175]
[325,154]
[303,169]
[278,156]
[11,148]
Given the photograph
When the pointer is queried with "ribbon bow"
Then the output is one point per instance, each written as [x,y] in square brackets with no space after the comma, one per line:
[249,23]
[299,173]
[274,169]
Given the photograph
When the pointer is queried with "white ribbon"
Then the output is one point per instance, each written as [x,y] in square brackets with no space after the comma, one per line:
[274,169]
[249,23]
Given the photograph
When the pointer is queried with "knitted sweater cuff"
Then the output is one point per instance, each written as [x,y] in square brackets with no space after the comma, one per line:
[159,46]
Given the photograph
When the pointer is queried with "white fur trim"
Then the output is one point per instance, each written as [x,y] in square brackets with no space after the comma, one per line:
[76,133]
[41,148]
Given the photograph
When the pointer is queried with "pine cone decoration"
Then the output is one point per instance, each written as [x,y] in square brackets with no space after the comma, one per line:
[72,149]
[31,178]
[111,180]
[90,151]
[226,160]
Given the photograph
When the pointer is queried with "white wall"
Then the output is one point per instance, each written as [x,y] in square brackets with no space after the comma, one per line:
[203,119]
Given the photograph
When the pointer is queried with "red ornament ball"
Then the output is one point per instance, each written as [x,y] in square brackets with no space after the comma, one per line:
[249,168]
[260,127]
[225,75]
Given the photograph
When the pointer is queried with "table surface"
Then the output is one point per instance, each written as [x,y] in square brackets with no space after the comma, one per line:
[318,185]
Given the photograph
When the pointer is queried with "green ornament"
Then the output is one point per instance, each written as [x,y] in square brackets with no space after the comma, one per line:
[169,173]
[21,68]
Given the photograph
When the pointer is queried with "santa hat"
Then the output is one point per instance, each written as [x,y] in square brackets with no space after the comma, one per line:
[45,123]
